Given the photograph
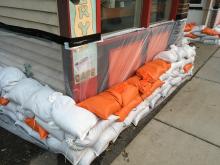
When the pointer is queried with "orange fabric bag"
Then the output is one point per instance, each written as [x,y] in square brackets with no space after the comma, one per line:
[124,92]
[145,87]
[123,113]
[4,101]
[210,32]
[154,86]
[187,67]
[189,27]
[190,35]
[135,81]
[35,126]
[102,105]
[153,70]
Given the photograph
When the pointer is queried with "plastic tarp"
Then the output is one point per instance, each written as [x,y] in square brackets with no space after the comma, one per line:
[95,67]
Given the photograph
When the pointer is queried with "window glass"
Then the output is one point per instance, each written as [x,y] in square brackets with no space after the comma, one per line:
[120,14]
[160,10]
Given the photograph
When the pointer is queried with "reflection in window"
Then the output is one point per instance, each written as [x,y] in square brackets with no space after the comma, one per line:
[160,10]
[120,14]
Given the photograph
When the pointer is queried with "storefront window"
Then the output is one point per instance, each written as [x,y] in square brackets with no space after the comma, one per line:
[120,14]
[160,10]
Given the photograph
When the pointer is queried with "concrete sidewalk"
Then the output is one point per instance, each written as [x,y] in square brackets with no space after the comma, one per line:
[185,132]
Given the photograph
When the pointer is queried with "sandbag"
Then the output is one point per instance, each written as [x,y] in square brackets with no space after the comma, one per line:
[151,71]
[175,81]
[169,56]
[61,148]
[9,77]
[96,132]
[123,113]
[31,122]
[210,31]
[10,114]
[23,91]
[88,157]
[51,128]
[3,101]
[165,91]
[40,104]
[155,100]
[72,118]
[30,131]
[102,105]
[102,144]
[141,115]
[124,93]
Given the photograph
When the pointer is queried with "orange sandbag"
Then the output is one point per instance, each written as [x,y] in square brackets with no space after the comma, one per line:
[187,67]
[35,126]
[145,87]
[123,113]
[157,84]
[190,35]
[152,71]
[3,101]
[189,27]
[124,92]
[210,32]
[102,105]
[135,81]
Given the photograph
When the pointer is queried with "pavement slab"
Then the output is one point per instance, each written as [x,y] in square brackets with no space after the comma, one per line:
[211,70]
[195,109]
[160,144]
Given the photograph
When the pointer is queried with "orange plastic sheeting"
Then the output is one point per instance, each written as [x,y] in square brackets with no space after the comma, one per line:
[189,27]
[123,113]
[190,35]
[157,84]
[210,32]
[187,67]
[3,101]
[158,43]
[35,126]
[152,71]
[123,62]
[102,105]
[125,92]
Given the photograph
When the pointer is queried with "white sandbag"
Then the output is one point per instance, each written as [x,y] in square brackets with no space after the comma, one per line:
[88,157]
[199,34]
[20,116]
[30,131]
[96,132]
[102,144]
[40,103]
[141,115]
[179,51]
[10,114]
[72,118]
[154,100]
[61,148]
[166,90]
[51,129]
[175,81]
[152,96]
[169,56]
[198,28]
[208,37]
[119,127]
[217,28]
[190,51]
[134,113]
[23,91]
[9,77]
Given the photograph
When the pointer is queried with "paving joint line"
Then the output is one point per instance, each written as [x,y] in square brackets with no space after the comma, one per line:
[213,81]
[188,133]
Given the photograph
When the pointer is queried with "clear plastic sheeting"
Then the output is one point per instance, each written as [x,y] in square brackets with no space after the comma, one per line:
[94,67]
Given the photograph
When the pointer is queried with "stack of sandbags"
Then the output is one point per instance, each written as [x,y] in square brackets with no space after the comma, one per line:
[201,33]
[83,131]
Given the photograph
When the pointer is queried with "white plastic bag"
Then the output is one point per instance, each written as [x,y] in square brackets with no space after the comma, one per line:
[72,118]
[23,91]
[40,104]
[9,77]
